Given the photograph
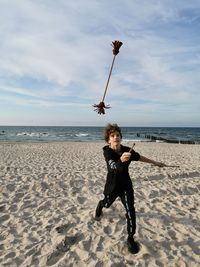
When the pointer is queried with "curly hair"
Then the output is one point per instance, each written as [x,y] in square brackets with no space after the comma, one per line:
[111,128]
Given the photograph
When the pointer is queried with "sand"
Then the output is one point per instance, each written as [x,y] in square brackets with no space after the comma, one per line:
[49,193]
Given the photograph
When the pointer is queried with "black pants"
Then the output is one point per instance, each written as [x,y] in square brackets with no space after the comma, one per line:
[127,199]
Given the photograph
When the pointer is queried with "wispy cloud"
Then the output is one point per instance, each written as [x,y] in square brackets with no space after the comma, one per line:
[57,54]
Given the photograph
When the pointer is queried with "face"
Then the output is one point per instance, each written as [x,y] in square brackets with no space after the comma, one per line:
[114,139]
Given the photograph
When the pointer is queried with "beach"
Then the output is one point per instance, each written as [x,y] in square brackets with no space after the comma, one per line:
[49,192]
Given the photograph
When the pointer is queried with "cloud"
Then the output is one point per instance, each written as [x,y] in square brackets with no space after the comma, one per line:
[58,53]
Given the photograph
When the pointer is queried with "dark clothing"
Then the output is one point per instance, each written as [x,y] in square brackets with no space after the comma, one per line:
[118,184]
[127,199]
[118,178]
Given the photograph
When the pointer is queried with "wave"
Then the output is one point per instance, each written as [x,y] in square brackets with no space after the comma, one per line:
[32,134]
[134,140]
[81,134]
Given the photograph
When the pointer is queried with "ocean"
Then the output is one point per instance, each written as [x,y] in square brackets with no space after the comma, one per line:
[187,135]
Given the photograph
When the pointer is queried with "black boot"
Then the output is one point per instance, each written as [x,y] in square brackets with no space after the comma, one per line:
[133,246]
[98,212]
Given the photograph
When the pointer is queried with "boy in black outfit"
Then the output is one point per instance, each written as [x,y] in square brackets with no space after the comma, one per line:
[118,182]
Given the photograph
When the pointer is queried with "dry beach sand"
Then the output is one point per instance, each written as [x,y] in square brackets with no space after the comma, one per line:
[49,192]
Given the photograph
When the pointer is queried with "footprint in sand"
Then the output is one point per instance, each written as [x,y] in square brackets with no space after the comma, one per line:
[11,187]
[63,247]
[107,230]
[194,246]
[186,190]
[3,236]
[153,194]
[44,186]
[62,229]
[100,244]
[172,234]
[2,208]
[156,177]
[87,244]
[81,200]
[54,258]
[4,218]
[10,255]
[78,184]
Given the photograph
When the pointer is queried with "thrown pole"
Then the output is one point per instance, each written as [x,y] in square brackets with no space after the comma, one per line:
[100,108]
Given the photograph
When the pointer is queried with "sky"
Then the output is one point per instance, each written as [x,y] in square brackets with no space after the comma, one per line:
[55,58]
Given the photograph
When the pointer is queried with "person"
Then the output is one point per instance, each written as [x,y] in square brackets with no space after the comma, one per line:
[118,183]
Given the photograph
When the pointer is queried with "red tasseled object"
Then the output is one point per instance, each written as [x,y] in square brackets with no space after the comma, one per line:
[100,108]
[116,46]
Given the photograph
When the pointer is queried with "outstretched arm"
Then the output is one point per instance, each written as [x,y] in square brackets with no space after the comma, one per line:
[147,160]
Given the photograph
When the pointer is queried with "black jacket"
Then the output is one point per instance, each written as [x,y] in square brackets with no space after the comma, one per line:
[118,178]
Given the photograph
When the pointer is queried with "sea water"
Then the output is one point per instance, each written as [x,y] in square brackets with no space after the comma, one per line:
[95,134]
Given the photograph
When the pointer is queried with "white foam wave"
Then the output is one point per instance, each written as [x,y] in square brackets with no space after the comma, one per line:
[81,134]
[31,134]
